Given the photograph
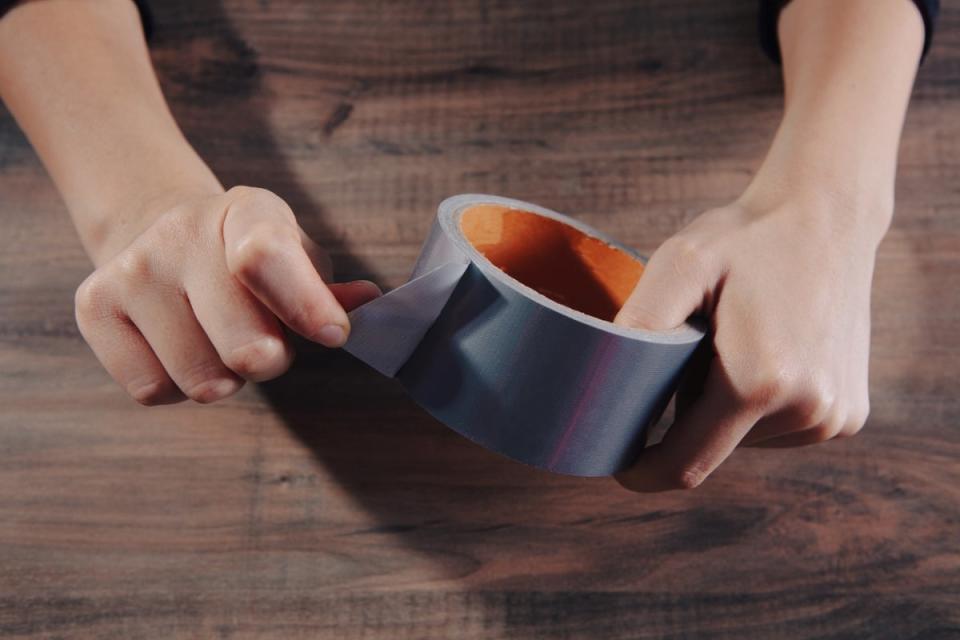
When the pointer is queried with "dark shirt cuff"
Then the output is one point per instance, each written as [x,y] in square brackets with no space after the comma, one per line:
[146,18]
[770,14]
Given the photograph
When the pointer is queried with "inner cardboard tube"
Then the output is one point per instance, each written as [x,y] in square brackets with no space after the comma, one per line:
[553,258]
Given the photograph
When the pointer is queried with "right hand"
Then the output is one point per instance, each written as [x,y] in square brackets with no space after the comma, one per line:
[195,303]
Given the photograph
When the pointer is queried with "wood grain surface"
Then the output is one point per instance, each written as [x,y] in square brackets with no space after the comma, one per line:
[326,504]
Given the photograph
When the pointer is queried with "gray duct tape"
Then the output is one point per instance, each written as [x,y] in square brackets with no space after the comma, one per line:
[511,369]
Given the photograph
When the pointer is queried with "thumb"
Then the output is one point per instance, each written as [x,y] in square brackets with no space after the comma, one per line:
[320,259]
[351,294]
[673,286]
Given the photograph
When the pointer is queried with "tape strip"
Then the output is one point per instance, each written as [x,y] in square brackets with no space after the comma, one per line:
[502,361]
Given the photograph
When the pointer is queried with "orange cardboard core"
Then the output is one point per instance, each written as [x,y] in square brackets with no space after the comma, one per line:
[555,259]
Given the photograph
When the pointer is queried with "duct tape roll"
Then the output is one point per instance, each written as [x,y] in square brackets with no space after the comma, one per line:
[504,333]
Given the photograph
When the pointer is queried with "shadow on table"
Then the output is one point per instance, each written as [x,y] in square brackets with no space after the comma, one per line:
[406,469]
[403,465]
[422,483]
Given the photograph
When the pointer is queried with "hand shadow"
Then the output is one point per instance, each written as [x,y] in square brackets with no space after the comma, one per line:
[417,478]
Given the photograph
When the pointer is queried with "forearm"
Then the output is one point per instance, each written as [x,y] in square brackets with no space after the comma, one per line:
[848,71]
[77,77]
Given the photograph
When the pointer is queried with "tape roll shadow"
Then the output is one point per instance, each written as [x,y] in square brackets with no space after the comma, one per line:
[504,334]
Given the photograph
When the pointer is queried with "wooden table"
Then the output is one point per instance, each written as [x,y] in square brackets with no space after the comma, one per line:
[326,504]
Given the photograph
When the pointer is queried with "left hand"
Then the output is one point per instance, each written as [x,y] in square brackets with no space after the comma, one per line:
[785,282]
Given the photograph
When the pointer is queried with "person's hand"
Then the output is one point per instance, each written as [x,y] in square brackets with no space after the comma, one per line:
[195,303]
[784,273]
[784,277]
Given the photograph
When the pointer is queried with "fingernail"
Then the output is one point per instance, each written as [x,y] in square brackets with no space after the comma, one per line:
[214,390]
[144,393]
[225,387]
[332,335]
[371,286]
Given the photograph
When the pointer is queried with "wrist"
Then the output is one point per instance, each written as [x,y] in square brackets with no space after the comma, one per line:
[832,177]
[846,91]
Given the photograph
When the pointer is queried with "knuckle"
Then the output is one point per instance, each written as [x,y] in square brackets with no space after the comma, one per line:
[830,427]
[257,247]
[767,388]
[262,359]
[855,422]
[686,254]
[822,432]
[135,268]
[241,192]
[92,298]
[815,399]
[257,198]
[847,432]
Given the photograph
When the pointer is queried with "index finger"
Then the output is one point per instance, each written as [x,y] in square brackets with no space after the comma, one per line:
[264,251]
[697,443]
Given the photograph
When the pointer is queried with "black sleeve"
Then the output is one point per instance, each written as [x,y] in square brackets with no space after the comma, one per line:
[145,18]
[770,13]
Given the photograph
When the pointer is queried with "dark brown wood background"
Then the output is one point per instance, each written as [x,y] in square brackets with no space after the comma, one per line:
[326,504]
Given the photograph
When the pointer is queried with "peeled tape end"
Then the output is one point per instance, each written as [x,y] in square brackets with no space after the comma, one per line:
[385,331]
